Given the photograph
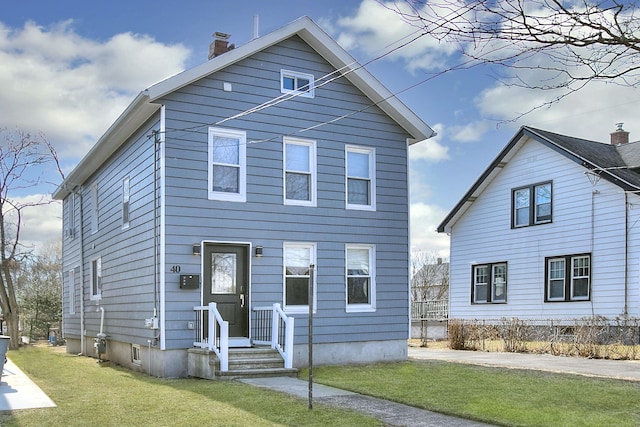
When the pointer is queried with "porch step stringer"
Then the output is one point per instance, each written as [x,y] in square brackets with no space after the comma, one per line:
[243,363]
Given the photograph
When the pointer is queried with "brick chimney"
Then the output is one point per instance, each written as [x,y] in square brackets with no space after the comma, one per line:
[220,44]
[619,136]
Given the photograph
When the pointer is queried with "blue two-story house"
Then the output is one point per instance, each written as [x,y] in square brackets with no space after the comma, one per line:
[276,164]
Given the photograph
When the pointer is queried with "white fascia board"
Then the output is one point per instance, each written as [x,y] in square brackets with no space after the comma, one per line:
[330,50]
[139,111]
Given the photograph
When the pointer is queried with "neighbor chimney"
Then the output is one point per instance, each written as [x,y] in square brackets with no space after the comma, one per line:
[220,44]
[620,136]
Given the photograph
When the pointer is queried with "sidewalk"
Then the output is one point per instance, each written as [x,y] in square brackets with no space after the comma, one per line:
[17,391]
[602,368]
[390,413]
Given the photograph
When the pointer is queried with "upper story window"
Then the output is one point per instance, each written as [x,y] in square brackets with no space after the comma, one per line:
[300,172]
[126,202]
[298,258]
[531,205]
[361,178]
[96,278]
[227,164]
[489,283]
[301,84]
[361,288]
[71,216]
[568,278]
[94,208]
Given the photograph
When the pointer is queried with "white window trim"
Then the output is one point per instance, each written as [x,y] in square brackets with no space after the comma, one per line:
[312,171]
[564,280]
[361,308]
[71,220]
[298,309]
[310,93]
[126,202]
[71,278]
[94,208]
[241,195]
[474,299]
[372,177]
[135,351]
[98,295]
[573,297]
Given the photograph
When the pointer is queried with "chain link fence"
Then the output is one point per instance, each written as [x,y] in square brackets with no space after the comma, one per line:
[592,337]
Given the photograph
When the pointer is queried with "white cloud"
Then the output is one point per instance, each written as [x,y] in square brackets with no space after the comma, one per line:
[424,221]
[470,132]
[431,149]
[72,88]
[590,113]
[376,27]
[40,224]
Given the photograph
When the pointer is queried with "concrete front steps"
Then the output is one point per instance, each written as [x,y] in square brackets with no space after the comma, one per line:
[243,363]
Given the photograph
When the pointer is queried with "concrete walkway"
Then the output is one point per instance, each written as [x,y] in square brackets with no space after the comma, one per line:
[17,391]
[395,414]
[618,369]
[390,413]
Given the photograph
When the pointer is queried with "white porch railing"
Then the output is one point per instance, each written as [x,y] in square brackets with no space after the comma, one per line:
[271,326]
[438,310]
[212,332]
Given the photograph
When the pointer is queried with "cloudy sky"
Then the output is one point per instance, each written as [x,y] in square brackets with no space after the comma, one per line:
[68,68]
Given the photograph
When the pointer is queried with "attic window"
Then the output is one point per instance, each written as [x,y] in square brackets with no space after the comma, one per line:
[300,84]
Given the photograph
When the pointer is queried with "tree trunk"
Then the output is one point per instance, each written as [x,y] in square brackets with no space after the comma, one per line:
[10,309]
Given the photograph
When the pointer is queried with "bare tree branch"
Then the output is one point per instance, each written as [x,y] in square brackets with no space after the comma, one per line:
[551,45]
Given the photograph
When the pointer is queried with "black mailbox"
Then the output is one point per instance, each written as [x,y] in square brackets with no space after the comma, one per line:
[189,281]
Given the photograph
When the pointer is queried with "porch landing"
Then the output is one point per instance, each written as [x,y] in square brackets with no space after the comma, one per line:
[252,362]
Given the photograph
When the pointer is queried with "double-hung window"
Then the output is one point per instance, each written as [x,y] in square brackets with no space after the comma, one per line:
[299,172]
[227,164]
[96,278]
[361,178]
[126,202]
[489,283]
[361,289]
[298,258]
[94,207]
[531,205]
[568,278]
[71,283]
[301,84]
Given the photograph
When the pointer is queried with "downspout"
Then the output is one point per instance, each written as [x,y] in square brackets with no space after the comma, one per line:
[625,310]
[81,233]
[161,245]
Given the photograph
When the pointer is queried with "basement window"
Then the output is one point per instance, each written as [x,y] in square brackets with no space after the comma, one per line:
[135,354]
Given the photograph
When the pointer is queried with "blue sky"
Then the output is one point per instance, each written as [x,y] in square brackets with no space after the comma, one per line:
[69,68]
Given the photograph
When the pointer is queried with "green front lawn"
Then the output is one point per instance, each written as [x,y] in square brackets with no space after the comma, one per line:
[494,395]
[91,394]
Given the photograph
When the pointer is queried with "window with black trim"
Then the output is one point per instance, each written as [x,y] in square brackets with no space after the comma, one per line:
[531,205]
[568,278]
[489,283]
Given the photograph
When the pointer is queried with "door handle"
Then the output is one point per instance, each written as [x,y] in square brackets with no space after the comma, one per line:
[242,300]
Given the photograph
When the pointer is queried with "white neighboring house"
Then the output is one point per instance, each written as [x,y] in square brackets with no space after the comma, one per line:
[550,230]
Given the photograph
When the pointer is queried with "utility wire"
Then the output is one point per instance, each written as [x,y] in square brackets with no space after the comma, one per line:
[326,79]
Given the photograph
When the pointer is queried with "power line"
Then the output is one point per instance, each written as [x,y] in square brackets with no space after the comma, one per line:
[326,79]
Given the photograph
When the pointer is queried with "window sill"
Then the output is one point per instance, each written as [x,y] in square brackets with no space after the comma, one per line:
[360,309]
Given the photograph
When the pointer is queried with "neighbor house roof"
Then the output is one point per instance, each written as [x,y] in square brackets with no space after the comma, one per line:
[614,163]
[144,106]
